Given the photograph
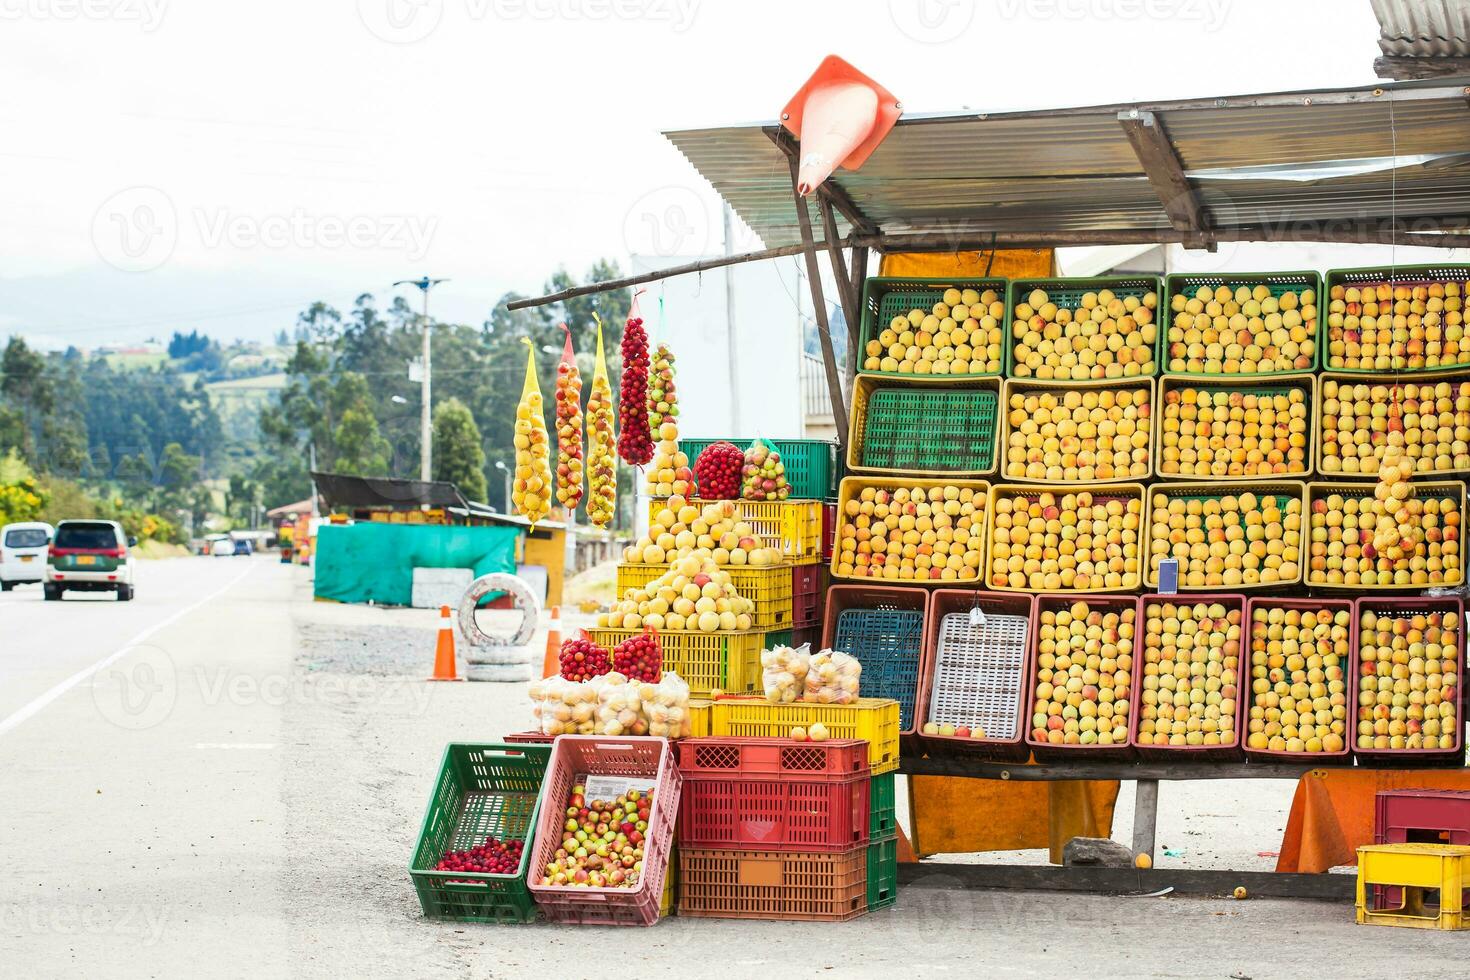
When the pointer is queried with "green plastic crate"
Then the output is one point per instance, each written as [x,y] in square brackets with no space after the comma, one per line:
[883,807]
[810,463]
[885,297]
[1403,275]
[928,429]
[1068,292]
[882,873]
[1277,282]
[483,790]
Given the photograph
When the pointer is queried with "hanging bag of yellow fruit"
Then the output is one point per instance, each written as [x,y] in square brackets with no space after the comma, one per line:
[669,473]
[602,444]
[532,492]
[569,434]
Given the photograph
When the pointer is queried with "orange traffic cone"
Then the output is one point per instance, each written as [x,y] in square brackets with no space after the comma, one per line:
[552,663]
[839,116]
[444,649]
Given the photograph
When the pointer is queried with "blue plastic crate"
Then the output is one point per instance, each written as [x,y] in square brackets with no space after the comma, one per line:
[888,643]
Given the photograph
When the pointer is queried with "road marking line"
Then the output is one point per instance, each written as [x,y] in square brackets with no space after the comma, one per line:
[41,702]
[235,745]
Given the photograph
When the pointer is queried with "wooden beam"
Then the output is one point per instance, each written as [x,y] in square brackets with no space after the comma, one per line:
[1125,881]
[844,286]
[1161,165]
[828,189]
[819,309]
[1406,68]
[1099,769]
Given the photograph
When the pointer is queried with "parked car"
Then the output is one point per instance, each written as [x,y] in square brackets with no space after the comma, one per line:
[23,553]
[90,556]
[243,546]
[219,545]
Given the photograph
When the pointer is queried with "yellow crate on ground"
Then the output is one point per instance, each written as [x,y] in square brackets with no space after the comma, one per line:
[1410,870]
[873,719]
[707,662]
[792,527]
[769,587]
[666,903]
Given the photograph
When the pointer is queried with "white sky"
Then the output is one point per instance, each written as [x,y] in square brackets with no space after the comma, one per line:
[512,136]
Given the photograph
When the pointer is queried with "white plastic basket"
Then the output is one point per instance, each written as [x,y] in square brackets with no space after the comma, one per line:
[978,671]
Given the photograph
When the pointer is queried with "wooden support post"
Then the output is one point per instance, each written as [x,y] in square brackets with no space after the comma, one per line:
[858,271]
[819,309]
[1145,817]
[1164,171]
[845,292]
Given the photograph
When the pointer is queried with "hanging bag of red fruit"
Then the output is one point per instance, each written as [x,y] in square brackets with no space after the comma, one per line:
[640,658]
[635,444]
[582,660]
[763,476]
[718,471]
[569,434]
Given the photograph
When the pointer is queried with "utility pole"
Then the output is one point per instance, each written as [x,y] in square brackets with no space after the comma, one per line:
[732,344]
[426,430]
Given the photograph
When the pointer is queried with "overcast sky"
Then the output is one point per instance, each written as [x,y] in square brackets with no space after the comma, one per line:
[199,164]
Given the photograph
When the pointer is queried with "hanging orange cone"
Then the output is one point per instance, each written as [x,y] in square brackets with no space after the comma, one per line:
[552,663]
[444,649]
[840,116]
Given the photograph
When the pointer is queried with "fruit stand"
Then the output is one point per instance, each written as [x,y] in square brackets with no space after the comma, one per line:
[1190,527]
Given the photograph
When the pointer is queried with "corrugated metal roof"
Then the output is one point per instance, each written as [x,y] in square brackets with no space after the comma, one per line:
[1075,170]
[1423,28]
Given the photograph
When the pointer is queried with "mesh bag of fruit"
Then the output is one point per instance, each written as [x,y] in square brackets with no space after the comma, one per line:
[640,658]
[784,672]
[833,677]
[666,705]
[619,707]
[718,471]
[602,454]
[533,488]
[763,476]
[635,441]
[563,707]
[569,434]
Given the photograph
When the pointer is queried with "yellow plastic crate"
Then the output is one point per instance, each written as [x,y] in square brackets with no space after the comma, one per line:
[1454,490]
[1270,384]
[1298,540]
[769,587]
[706,661]
[666,902]
[792,527]
[1024,386]
[1393,385]
[853,486]
[699,709]
[1413,869]
[874,719]
[1105,492]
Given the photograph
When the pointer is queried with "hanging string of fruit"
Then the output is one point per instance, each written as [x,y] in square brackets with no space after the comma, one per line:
[532,492]
[602,459]
[669,475]
[568,428]
[635,444]
[1397,532]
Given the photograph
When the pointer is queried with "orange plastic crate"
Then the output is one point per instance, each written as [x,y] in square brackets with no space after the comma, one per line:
[806,887]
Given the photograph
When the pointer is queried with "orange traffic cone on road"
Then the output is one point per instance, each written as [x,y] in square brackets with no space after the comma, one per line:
[552,663]
[444,649]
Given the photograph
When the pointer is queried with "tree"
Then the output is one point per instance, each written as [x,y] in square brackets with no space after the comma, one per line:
[23,379]
[360,449]
[458,455]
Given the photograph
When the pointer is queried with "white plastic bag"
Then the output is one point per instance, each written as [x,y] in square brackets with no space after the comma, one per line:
[619,707]
[833,677]
[784,672]
[666,705]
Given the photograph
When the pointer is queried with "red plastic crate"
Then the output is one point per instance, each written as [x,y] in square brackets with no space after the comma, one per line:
[774,794]
[811,887]
[1101,603]
[941,603]
[1407,605]
[1433,816]
[829,530]
[1342,758]
[1175,753]
[573,759]
[806,596]
[529,738]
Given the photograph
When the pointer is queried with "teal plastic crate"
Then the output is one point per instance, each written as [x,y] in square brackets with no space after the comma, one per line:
[885,297]
[1402,275]
[1068,292]
[883,807]
[1277,282]
[810,463]
[882,874]
[888,643]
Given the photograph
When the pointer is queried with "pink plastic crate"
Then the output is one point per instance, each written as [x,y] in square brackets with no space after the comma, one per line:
[1407,605]
[1177,753]
[1102,603]
[573,759]
[1343,757]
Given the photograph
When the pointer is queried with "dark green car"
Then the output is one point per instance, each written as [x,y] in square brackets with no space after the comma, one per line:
[90,556]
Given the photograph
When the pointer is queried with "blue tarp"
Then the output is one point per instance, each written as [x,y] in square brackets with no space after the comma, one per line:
[375,562]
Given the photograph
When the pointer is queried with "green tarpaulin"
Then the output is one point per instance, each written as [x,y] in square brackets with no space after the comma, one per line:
[375,562]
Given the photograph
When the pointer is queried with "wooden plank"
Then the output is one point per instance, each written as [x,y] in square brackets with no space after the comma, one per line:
[1145,816]
[1125,881]
[819,309]
[1429,231]
[1086,769]
[1403,68]
[837,260]
[829,189]
[1161,165]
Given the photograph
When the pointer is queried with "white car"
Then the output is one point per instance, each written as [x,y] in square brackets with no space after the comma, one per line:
[220,546]
[23,553]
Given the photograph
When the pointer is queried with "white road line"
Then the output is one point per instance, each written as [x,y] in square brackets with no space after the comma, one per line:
[35,706]
[256,746]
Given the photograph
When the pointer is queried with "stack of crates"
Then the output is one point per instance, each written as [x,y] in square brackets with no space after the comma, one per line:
[773,828]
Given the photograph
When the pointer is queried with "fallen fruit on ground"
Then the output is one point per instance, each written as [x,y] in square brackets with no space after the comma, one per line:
[959,334]
[1084,671]
[1191,664]
[1103,336]
[1242,330]
[1298,679]
[1047,541]
[1409,679]
[933,532]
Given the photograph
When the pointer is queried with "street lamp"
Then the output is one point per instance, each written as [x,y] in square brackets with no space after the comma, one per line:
[500,465]
[426,439]
[399,400]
